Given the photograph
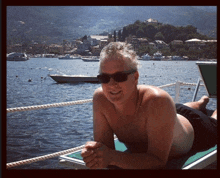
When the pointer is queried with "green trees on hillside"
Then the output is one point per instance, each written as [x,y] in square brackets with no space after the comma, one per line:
[164,32]
[168,33]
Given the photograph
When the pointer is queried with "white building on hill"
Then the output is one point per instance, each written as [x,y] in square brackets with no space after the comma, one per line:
[161,44]
[151,21]
[95,39]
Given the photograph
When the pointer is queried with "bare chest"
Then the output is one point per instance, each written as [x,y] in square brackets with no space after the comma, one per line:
[131,130]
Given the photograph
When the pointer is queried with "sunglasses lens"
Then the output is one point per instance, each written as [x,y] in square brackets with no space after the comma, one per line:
[103,78]
[120,77]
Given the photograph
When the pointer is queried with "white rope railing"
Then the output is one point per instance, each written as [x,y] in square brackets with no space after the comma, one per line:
[168,85]
[181,83]
[190,84]
[41,158]
[28,108]
[177,88]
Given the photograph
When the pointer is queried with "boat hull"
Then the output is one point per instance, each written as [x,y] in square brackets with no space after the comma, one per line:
[16,59]
[90,60]
[74,79]
[71,58]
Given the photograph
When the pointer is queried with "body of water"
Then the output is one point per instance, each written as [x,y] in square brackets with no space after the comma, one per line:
[40,132]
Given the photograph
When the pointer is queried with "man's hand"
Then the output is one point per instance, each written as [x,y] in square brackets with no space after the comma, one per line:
[96,155]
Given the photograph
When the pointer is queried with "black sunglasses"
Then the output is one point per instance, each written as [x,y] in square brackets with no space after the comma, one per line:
[118,77]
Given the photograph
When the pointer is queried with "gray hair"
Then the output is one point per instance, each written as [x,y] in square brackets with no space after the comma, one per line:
[119,50]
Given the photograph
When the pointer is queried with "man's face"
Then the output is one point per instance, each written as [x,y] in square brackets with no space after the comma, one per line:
[118,92]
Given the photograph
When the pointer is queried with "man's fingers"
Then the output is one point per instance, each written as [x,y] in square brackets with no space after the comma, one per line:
[92,164]
[86,152]
[93,145]
[89,158]
[95,166]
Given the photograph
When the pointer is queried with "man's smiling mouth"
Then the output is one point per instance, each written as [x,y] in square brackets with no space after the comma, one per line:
[115,92]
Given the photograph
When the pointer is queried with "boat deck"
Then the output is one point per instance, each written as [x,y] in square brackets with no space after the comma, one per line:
[212,166]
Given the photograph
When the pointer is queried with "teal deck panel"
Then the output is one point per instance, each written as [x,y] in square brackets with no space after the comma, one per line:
[176,163]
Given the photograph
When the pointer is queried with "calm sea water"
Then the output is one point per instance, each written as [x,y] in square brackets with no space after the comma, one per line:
[40,132]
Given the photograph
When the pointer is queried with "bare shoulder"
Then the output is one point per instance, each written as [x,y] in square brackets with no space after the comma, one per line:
[99,99]
[98,93]
[153,93]
[155,99]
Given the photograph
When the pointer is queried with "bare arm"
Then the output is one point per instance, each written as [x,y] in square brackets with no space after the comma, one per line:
[101,128]
[103,135]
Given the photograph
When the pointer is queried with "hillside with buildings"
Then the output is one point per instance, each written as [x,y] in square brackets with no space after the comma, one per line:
[82,30]
[148,36]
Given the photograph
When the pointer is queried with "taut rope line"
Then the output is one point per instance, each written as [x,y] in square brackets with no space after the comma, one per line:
[181,83]
[41,158]
[28,108]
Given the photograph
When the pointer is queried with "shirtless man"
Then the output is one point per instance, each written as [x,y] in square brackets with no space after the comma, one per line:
[144,118]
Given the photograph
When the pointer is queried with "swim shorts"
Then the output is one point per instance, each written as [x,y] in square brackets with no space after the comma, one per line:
[205,127]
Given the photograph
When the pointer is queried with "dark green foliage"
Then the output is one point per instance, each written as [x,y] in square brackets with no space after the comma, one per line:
[168,33]
[159,36]
[164,32]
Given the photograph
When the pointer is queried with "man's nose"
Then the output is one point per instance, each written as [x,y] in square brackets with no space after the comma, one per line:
[112,82]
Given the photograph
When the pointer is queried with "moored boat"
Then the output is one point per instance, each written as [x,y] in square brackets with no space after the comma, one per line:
[67,56]
[14,56]
[157,56]
[74,79]
[48,55]
[91,59]
[177,58]
[145,57]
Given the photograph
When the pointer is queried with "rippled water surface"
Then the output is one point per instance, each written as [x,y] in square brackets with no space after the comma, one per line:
[45,131]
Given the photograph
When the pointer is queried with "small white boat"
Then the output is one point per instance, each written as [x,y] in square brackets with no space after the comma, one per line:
[186,58]
[74,79]
[14,56]
[91,59]
[67,56]
[166,58]
[177,58]
[49,55]
[76,57]
[157,56]
[145,57]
